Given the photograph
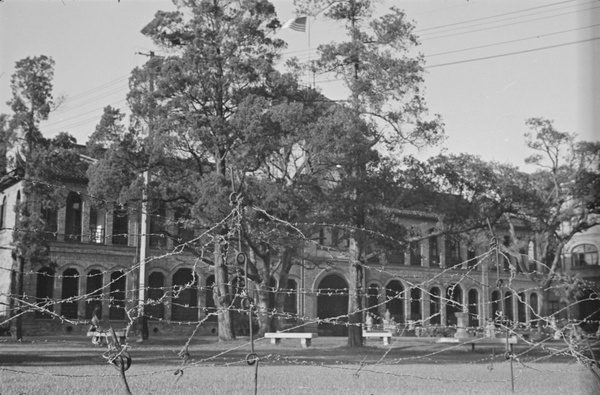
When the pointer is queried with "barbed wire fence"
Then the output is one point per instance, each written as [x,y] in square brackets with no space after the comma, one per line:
[566,339]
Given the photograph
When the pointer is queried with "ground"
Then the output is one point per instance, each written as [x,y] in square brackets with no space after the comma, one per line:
[65,365]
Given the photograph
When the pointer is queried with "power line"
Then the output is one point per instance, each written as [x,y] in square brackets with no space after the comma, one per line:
[511,41]
[511,53]
[507,24]
[495,16]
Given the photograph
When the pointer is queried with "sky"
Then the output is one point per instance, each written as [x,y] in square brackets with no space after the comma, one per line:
[490,64]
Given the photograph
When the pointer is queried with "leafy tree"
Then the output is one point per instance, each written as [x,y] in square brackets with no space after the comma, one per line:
[195,120]
[556,201]
[384,113]
[36,160]
[566,188]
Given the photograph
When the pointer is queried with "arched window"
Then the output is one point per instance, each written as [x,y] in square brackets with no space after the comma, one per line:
[70,289]
[73,217]
[473,307]
[521,308]
[533,302]
[93,288]
[584,255]
[116,307]
[290,303]
[44,292]
[415,304]
[185,299]
[156,283]
[508,307]
[435,306]
[395,300]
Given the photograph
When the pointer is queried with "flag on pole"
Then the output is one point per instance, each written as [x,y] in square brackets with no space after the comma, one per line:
[297,24]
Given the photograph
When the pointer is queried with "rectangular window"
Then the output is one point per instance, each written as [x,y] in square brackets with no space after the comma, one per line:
[434,255]
[415,253]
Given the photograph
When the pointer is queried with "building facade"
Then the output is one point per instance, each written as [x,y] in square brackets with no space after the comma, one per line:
[95,266]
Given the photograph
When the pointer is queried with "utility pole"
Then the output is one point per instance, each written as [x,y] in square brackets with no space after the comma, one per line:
[144,333]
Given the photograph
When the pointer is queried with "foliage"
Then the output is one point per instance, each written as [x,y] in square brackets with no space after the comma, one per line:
[555,202]
[198,123]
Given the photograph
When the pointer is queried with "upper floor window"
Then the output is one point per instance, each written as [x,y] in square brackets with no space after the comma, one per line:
[120,225]
[434,255]
[453,257]
[50,218]
[585,255]
[97,225]
[73,217]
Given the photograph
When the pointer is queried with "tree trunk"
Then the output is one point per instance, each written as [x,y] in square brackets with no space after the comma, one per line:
[263,309]
[222,297]
[17,334]
[278,320]
[355,338]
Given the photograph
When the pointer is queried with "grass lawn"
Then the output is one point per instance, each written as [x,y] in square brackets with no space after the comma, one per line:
[73,366]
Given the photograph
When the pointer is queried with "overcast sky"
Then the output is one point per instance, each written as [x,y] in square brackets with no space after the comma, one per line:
[491,64]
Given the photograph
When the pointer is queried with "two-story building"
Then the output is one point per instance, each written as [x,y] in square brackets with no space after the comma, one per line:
[94,251]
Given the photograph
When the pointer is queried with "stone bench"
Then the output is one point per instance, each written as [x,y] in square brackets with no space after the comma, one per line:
[106,335]
[385,335]
[481,341]
[305,338]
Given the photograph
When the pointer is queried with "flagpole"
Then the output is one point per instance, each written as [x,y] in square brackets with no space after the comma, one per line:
[309,65]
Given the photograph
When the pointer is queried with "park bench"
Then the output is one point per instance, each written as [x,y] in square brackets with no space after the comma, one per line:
[98,335]
[481,341]
[305,338]
[385,335]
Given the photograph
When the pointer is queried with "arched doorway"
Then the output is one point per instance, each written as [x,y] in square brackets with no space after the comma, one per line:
[332,302]
[394,293]
[70,289]
[93,288]
[156,283]
[373,299]
[44,291]
[116,307]
[434,306]
[185,296]
[415,304]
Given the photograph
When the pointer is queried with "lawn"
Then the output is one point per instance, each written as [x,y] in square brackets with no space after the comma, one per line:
[68,366]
